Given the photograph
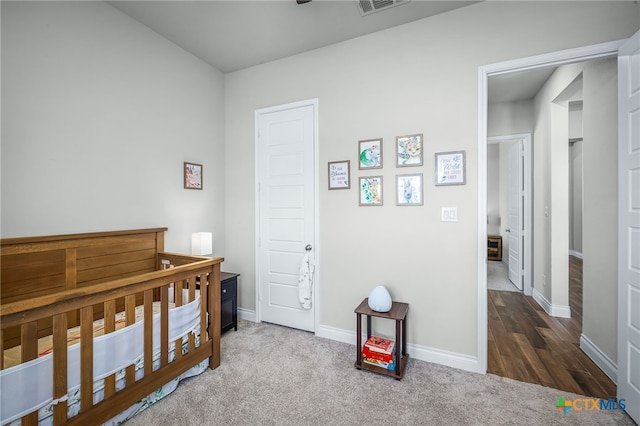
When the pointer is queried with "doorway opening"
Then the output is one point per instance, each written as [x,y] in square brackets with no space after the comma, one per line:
[555,305]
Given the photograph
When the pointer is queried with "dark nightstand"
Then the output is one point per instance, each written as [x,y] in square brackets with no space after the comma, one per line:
[228,301]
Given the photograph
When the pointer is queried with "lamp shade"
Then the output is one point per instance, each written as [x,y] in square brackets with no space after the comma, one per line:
[201,243]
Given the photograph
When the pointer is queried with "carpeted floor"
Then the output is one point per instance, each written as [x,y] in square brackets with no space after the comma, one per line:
[273,375]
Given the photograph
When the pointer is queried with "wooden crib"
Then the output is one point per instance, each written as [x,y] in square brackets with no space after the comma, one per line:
[49,285]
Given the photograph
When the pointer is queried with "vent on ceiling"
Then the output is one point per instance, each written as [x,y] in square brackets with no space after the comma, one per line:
[367,7]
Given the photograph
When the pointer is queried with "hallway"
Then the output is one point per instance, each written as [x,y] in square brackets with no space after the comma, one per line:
[528,345]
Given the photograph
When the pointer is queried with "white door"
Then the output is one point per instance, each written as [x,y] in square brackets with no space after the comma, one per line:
[285,150]
[629,226]
[515,207]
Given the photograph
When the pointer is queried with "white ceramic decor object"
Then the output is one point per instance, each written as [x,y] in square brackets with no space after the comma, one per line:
[380,299]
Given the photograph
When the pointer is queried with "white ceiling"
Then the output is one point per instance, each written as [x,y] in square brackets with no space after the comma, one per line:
[517,86]
[232,35]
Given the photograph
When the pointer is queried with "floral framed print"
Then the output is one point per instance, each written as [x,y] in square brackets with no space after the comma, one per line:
[409,150]
[409,190]
[192,176]
[371,191]
[370,154]
[450,168]
[339,177]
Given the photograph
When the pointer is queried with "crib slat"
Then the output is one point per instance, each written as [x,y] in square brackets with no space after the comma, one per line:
[178,296]
[192,296]
[148,332]
[109,327]
[205,286]
[177,288]
[130,318]
[86,358]
[192,289]
[30,419]
[29,341]
[60,367]
[164,325]
[29,351]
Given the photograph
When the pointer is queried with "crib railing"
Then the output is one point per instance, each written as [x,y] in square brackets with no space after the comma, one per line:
[177,273]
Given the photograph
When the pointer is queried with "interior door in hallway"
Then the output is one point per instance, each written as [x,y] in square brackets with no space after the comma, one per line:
[286,210]
[515,210]
[629,226]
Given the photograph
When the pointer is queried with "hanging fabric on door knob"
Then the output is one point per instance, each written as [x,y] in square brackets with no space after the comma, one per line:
[305,280]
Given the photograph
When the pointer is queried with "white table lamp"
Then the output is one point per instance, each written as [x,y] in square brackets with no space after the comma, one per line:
[201,243]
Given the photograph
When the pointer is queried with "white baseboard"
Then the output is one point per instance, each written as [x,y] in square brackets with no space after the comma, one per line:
[246,314]
[423,353]
[599,357]
[560,311]
[576,254]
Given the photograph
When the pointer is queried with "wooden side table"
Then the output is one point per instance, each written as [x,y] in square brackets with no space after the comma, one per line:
[398,313]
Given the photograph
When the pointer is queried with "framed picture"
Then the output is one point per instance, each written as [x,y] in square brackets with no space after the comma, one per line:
[409,150]
[370,154]
[409,190]
[192,176]
[450,168]
[371,191]
[339,174]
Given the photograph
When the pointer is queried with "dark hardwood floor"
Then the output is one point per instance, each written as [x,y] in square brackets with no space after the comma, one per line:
[528,345]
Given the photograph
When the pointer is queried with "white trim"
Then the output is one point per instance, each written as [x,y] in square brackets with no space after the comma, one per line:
[576,254]
[423,353]
[247,315]
[316,282]
[483,321]
[560,311]
[600,358]
[562,57]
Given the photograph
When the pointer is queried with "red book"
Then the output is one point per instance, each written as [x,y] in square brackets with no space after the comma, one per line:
[368,353]
[379,344]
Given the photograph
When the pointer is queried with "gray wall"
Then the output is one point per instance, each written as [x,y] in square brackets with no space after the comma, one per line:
[420,77]
[600,214]
[98,115]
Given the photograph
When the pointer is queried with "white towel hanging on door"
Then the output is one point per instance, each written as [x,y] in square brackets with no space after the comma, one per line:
[305,280]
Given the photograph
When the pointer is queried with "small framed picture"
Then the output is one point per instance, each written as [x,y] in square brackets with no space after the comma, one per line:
[450,168]
[409,190]
[409,150]
[370,154]
[192,176]
[339,174]
[371,191]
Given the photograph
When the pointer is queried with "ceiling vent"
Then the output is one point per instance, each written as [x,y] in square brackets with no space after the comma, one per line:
[367,7]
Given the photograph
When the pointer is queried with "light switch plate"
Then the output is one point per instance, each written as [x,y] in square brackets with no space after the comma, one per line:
[449,214]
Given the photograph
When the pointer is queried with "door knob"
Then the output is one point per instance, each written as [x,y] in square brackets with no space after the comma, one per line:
[308,247]
[508,230]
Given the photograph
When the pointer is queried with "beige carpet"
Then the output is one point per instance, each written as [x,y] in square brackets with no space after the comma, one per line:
[272,375]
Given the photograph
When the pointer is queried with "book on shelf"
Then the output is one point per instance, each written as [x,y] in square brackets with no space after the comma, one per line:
[368,353]
[379,344]
[382,364]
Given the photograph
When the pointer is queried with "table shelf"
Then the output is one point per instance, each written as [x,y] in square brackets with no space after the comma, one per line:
[398,313]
